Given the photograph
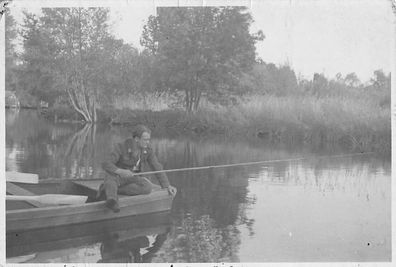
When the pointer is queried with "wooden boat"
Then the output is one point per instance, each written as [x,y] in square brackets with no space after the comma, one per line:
[62,238]
[28,215]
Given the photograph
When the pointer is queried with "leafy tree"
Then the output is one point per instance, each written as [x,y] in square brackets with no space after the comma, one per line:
[380,88]
[35,75]
[78,35]
[10,53]
[339,77]
[381,80]
[65,53]
[352,80]
[320,82]
[201,50]
[70,55]
[269,79]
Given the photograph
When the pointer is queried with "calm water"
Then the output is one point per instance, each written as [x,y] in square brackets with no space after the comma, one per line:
[319,209]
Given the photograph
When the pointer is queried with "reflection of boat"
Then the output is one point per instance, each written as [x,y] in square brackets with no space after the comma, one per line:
[28,215]
[66,240]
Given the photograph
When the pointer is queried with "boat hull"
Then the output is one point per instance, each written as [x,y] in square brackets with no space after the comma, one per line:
[77,235]
[54,216]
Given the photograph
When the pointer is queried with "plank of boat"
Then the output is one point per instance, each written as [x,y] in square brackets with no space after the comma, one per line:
[23,218]
[21,259]
[94,185]
[42,200]
[61,255]
[51,199]
[20,177]
[17,190]
[34,218]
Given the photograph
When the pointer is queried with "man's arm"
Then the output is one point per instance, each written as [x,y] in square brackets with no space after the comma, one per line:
[156,166]
[110,164]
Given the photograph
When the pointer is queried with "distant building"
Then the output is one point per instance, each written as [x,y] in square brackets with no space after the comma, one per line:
[43,104]
[11,100]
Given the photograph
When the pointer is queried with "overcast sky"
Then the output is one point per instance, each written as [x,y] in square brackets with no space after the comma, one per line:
[325,36]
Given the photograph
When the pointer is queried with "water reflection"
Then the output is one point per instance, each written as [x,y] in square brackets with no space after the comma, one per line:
[200,240]
[319,209]
[140,249]
[131,239]
[331,215]
[81,147]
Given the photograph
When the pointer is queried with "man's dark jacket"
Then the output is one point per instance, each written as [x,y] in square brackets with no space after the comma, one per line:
[125,155]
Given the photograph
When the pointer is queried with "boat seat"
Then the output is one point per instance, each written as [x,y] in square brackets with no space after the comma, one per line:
[94,185]
[13,189]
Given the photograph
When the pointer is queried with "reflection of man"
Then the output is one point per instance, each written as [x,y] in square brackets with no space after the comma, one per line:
[159,240]
[127,159]
[113,251]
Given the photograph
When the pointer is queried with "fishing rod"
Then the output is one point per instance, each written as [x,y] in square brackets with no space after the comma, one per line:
[205,167]
[246,164]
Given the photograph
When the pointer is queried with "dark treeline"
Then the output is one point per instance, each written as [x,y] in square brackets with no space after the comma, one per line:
[198,63]
[70,57]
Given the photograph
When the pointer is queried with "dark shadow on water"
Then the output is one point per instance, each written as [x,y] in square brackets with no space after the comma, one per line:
[119,239]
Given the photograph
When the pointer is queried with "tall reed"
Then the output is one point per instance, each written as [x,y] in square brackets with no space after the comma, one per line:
[356,119]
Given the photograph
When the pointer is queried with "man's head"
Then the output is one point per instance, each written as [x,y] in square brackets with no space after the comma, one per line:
[142,135]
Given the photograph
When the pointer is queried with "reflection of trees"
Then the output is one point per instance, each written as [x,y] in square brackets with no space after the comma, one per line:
[53,150]
[347,175]
[31,136]
[216,198]
[80,154]
[75,154]
[11,116]
[81,149]
[26,126]
[217,192]
[200,240]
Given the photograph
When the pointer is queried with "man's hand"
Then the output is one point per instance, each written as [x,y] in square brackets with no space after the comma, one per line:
[171,190]
[124,173]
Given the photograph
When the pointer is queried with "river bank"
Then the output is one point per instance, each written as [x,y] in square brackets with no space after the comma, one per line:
[359,124]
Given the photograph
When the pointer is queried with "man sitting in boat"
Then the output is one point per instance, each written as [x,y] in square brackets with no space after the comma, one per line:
[127,159]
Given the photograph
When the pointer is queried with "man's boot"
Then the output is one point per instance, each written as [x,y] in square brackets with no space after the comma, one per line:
[112,204]
[110,187]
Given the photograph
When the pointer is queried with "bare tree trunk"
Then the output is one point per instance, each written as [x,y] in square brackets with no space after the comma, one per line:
[75,103]
[188,101]
[197,100]
[81,99]
[84,98]
[94,115]
[197,94]
[81,147]
[93,142]
[194,97]
[77,140]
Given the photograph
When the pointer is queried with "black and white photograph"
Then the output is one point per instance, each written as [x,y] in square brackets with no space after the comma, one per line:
[226,133]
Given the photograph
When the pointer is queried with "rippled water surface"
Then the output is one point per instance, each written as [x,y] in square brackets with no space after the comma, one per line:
[318,209]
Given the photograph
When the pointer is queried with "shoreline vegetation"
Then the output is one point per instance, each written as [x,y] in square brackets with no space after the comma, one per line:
[198,72]
[357,124]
